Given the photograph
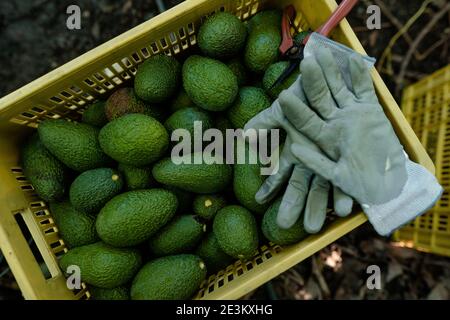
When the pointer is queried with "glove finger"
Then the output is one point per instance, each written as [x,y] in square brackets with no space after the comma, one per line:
[315,161]
[295,135]
[298,89]
[343,203]
[270,118]
[316,88]
[341,94]
[316,205]
[294,198]
[274,182]
[361,79]
[300,115]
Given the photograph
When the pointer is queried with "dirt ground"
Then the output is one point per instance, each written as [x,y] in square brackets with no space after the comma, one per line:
[34,40]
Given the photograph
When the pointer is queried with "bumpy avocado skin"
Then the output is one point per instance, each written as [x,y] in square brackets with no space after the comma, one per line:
[157,78]
[180,235]
[95,114]
[249,103]
[74,144]
[267,18]
[76,228]
[93,188]
[46,173]
[222,36]
[247,179]
[214,257]
[236,65]
[134,139]
[209,83]
[236,231]
[206,206]
[117,293]
[193,173]
[125,101]
[136,177]
[185,119]
[134,216]
[175,277]
[102,265]
[262,48]
[180,101]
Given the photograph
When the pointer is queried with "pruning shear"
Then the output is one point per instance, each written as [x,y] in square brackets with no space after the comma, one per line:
[293,50]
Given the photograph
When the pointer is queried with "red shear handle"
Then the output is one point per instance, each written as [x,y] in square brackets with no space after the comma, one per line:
[287,42]
[340,13]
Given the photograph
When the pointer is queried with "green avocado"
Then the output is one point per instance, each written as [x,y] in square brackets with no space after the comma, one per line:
[157,78]
[137,178]
[184,198]
[266,18]
[211,253]
[74,144]
[117,293]
[209,83]
[236,231]
[248,104]
[134,216]
[262,48]
[236,65]
[175,277]
[95,114]
[247,180]
[46,173]
[134,139]
[101,265]
[185,118]
[180,101]
[125,101]
[190,173]
[93,188]
[206,206]
[76,228]
[180,235]
[222,36]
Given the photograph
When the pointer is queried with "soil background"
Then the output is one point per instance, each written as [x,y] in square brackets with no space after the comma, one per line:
[34,40]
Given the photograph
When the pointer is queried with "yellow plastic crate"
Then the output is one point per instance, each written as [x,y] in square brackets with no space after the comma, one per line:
[426,105]
[65,91]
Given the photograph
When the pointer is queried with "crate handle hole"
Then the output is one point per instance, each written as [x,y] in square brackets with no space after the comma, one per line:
[182,33]
[37,255]
[89,82]
[56,99]
[38,110]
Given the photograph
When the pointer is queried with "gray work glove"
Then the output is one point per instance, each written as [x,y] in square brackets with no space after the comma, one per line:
[360,152]
[306,192]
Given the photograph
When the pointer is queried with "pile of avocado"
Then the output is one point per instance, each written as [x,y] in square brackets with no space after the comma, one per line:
[138,225]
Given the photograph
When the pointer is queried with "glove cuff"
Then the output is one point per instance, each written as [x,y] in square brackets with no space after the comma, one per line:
[420,192]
